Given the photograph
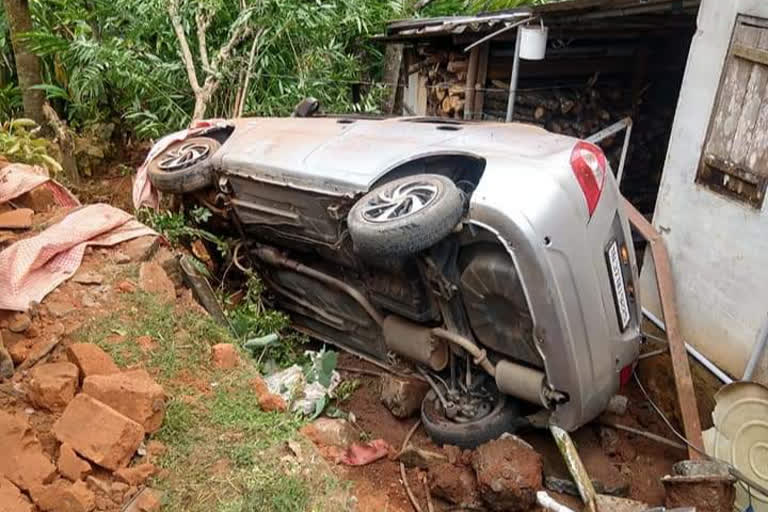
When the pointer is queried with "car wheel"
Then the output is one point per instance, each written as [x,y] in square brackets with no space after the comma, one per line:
[405,216]
[185,166]
[504,416]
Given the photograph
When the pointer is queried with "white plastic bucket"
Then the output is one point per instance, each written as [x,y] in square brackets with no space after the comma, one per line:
[533,42]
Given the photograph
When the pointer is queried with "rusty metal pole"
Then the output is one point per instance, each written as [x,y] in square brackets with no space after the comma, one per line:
[686,396]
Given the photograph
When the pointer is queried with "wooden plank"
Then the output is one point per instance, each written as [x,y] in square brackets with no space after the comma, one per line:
[731,96]
[750,110]
[482,78]
[756,55]
[686,396]
[469,96]
[757,158]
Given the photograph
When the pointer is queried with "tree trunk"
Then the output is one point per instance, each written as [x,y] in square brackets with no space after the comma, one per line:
[393,60]
[27,63]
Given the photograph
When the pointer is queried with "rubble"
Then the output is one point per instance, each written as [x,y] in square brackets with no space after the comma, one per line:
[39,350]
[706,486]
[413,456]
[225,356]
[70,465]
[456,484]
[267,401]
[19,323]
[136,475]
[402,396]
[509,473]
[88,277]
[62,496]
[98,432]
[6,361]
[17,219]
[91,360]
[154,280]
[53,385]
[330,432]
[141,249]
[11,498]
[148,500]
[23,461]
[133,393]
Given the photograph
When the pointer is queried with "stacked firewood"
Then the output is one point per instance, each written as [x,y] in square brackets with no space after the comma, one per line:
[446,73]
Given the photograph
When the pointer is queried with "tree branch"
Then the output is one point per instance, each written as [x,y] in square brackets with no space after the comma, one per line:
[212,80]
[203,19]
[186,54]
[421,4]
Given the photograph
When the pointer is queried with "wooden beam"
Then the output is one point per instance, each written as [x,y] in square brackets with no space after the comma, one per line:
[469,96]
[482,78]
[756,55]
[686,396]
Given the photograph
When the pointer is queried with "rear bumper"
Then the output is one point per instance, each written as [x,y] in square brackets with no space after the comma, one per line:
[561,262]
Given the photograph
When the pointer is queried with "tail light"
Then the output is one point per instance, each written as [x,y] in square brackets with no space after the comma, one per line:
[589,165]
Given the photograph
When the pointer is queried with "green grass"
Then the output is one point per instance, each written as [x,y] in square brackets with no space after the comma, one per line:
[203,429]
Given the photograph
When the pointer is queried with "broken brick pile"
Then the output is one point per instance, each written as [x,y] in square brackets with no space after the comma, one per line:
[103,415]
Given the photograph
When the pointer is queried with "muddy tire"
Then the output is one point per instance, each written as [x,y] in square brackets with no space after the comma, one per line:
[185,166]
[504,417]
[405,216]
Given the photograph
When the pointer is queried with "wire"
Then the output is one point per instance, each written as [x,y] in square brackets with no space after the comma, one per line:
[735,472]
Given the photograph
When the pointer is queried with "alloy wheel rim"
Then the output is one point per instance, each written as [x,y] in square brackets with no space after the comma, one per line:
[184,156]
[402,201]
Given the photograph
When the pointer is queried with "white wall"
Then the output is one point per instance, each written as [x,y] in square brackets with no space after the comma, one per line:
[718,248]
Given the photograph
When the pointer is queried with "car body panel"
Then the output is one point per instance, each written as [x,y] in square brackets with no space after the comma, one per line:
[527,197]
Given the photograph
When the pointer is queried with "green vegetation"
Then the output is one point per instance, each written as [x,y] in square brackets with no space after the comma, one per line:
[19,142]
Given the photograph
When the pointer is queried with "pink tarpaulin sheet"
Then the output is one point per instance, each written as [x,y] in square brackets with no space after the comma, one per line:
[31,268]
[144,194]
[18,179]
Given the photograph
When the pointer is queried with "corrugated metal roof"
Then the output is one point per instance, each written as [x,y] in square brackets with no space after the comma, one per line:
[556,13]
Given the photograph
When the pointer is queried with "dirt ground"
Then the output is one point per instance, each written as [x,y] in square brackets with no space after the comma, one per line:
[637,462]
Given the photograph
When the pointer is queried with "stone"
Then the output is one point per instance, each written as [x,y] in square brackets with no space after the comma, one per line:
[70,465]
[154,280]
[268,401]
[52,385]
[17,219]
[610,441]
[22,461]
[148,500]
[91,360]
[11,498]
[330,432]
[155,450]
[98,432]
[136,475]
[60,309]
[225,356]
[126,287]
[412,457]
[6,362]
[118,491]
[120,258]
[39,350]
[509,473]
[402,396]
[88,277]
[141,248]
[62,496]
[455,484]
[19,323]
[133,393]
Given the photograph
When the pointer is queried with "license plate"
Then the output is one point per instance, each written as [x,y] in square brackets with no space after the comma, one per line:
[619,291]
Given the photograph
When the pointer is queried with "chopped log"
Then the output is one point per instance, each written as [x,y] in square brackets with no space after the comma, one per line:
[456,66]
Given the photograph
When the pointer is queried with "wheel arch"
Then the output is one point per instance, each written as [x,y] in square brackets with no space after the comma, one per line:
[463,168]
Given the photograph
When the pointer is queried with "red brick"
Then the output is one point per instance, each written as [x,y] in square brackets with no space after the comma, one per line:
[91,360]
[11,499]
[225,356]
[133,393]
[70,465]
[22,460]
[62,496]
[154,280]
[98,432]
[53,385]
[136,475]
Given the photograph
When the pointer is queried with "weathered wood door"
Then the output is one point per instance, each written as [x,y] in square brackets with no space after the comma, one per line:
[735,158]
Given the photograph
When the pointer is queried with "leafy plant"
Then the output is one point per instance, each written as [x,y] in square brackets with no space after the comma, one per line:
[179,228]
[19,142]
